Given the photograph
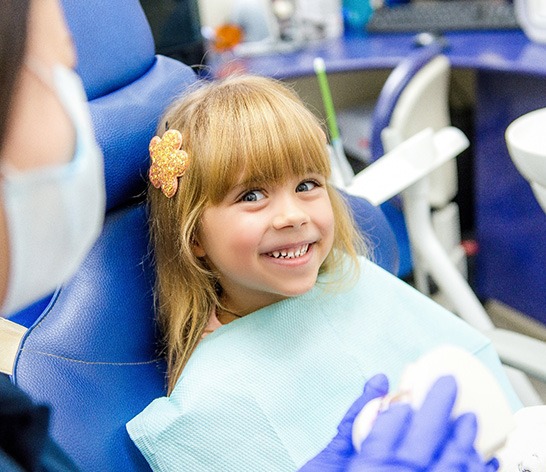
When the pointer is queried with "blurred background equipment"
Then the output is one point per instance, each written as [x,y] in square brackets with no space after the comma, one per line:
[176,27]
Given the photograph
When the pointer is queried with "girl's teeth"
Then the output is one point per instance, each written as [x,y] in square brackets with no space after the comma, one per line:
[292,254]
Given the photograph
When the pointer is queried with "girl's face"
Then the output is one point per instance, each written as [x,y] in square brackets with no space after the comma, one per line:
[267,242]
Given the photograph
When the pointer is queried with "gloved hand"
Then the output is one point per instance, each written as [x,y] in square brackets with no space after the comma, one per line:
[427,439]
[336,456]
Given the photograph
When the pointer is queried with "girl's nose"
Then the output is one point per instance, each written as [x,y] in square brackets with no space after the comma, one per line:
[290,214]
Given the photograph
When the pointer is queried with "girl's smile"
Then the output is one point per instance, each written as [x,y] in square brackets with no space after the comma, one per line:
[267,242]
[290,253]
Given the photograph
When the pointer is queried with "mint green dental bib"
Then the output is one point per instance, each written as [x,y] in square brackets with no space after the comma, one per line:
[266,392]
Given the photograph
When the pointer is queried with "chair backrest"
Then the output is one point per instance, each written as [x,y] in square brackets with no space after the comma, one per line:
[92,354]
[379,237]
[415,97]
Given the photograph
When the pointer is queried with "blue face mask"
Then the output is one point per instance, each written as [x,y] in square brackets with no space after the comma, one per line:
[54,214]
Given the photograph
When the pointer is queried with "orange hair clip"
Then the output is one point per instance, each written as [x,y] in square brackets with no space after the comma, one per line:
[168,161]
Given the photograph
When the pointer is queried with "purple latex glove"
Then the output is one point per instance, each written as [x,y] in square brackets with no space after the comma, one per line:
[336,456]
[427,439]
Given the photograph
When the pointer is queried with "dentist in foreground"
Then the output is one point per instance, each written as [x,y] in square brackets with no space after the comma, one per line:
[52,196]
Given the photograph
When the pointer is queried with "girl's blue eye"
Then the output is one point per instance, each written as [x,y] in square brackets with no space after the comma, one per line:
[306,186]
[252,196]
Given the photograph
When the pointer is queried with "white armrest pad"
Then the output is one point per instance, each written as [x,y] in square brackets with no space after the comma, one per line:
[10,338]
[407,163]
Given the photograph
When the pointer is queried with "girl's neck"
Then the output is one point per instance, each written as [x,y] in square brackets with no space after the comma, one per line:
[241,304]
[226,316]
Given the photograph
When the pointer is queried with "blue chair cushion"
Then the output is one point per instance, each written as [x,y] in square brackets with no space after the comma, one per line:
[374,226]
[113,40]
[126,120]
[92,355]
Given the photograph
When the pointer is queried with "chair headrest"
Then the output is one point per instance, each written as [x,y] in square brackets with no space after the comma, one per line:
[113,40]
[127,85]
[125,121]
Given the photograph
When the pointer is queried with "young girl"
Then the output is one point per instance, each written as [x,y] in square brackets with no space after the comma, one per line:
[272,321]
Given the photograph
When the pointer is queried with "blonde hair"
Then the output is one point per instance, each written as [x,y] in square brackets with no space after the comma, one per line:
[242,126]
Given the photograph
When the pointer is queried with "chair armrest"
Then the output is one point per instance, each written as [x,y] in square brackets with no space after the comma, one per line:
[407,163]
[520,351]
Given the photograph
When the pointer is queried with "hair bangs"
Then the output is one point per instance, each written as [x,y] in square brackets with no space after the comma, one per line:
[261,142]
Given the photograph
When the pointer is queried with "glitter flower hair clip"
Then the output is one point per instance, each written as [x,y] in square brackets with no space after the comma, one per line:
[168,161]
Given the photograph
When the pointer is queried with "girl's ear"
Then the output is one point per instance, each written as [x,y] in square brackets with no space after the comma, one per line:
[197,249]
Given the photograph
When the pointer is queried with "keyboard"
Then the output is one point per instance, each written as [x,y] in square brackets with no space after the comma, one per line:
[438,16]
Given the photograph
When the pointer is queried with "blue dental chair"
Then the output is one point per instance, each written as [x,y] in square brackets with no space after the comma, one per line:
[92,354]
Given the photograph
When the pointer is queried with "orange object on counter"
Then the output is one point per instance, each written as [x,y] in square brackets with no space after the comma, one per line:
[227,36]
